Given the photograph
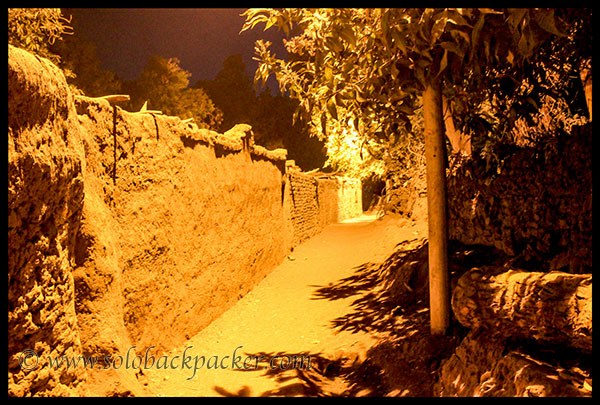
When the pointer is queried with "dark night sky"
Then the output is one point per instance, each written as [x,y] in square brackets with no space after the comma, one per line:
[200,38]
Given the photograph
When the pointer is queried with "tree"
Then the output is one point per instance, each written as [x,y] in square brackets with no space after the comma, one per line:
[542,95]
[164,84]
[270,116]
[366,68]
[79,59]
[35,29]
[274,128]
[231,90]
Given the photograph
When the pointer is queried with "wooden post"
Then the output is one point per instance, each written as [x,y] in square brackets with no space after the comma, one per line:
[114,174]
[435,155]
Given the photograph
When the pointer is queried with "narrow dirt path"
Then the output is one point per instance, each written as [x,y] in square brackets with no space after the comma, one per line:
[281,316]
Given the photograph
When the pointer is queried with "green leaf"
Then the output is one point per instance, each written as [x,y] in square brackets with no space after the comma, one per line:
[349,63]
[331,108]
[254,19]
[385,27]
[486,45]
[458,35]
[443,62]
[517,15]
[328,74]
[269,23]
[286,29]
[545,19]
[405,109]
[510,57]
[476,32]
[333,44]
[296,115]
[359,94]
[394,71]
[526,44]
[438,29]
[452,47]
[399,41]
[347,34]
[454,17]
[489,11]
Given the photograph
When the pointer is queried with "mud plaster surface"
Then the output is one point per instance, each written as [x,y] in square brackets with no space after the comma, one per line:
[281,314]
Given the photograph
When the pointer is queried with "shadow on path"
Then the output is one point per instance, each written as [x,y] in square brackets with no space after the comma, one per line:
[319,375]
[392,304]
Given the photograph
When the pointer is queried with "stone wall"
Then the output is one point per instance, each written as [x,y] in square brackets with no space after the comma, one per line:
[317,200]
[535,203]
[349,198]
[304,213]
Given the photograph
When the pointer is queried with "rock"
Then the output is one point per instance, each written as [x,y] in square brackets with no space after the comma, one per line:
[533,204]
[550,307]
[480,366]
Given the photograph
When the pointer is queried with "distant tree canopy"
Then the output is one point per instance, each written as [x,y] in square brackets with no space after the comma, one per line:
[270,116]
[164,85]
[232,91]
[78,58]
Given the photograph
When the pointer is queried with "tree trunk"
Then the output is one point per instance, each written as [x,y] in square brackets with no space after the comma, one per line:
[435,155]
[585,72]
[550,307]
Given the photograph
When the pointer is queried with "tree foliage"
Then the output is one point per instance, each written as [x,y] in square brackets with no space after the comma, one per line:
[164,85]
[274,128]
[364,69]
[231,90]
[269,115]
[36,29]
[79,60]
[544,95]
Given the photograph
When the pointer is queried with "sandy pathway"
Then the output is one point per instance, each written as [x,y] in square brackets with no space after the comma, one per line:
[280,315]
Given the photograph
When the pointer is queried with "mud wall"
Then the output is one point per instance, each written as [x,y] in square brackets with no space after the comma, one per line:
[101,260]
[45,199]
[534,203]
[319,200]
[132,229]
[199,220]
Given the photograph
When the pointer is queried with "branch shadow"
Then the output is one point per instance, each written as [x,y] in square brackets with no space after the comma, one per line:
[391,303]
[318,375]
[399,287]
